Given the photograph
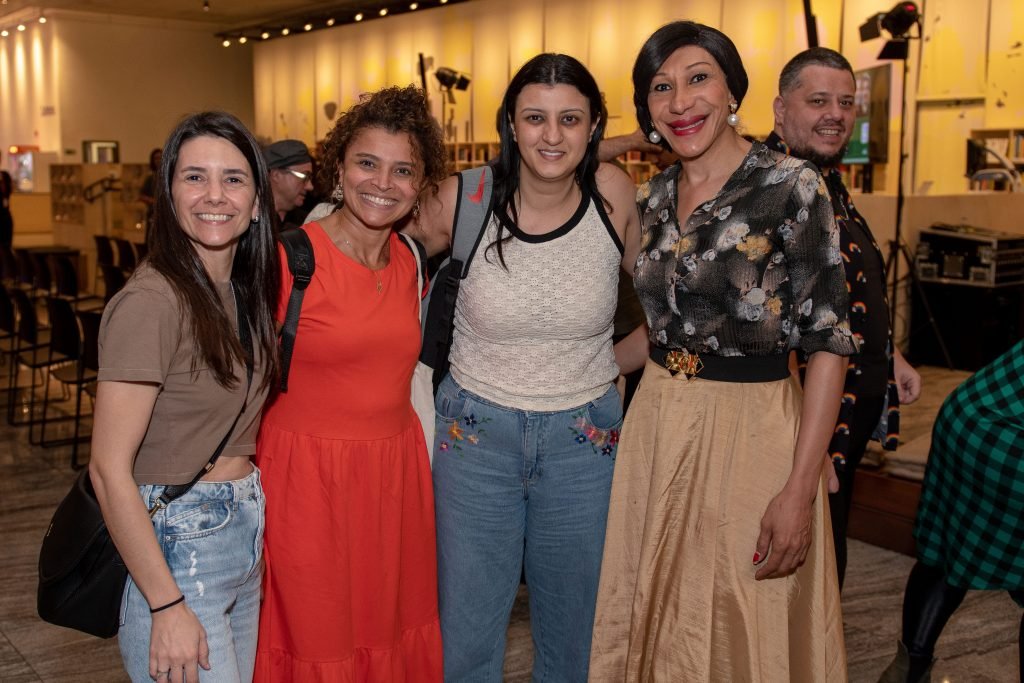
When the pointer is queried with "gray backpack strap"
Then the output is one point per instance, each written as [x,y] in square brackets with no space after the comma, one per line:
[472,213]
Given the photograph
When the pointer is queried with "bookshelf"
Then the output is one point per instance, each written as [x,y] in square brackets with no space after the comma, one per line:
[1008,142]
[463,155]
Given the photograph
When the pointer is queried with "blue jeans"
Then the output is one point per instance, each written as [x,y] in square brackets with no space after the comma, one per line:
[212,539]
[514,486]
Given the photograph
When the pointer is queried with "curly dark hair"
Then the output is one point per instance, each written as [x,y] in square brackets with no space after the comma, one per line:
[396,110]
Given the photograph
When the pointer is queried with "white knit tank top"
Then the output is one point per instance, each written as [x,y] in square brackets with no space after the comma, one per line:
[538,336]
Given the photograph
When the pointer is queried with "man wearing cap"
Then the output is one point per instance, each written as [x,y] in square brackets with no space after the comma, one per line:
[291,176]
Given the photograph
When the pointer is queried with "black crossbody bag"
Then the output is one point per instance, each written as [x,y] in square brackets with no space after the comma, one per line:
[81,574]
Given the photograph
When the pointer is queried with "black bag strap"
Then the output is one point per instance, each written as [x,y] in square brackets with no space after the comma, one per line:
[472,214]
[174,491]
[299,252]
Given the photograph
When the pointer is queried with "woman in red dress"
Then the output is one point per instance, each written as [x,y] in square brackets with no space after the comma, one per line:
[350,590]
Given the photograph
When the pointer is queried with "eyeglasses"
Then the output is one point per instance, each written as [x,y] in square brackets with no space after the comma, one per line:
[299,174]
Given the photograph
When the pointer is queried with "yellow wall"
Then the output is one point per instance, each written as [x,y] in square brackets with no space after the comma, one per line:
[966,73]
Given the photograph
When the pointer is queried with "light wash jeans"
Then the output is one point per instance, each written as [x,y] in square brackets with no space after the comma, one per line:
[514,487]
[212,538]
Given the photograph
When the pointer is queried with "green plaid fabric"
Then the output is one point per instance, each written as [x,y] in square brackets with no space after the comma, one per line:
[971,519]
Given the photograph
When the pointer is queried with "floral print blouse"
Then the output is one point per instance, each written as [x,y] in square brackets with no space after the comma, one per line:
[755,271]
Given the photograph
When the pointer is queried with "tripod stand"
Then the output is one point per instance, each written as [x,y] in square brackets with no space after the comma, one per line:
[898,246]
[897,249]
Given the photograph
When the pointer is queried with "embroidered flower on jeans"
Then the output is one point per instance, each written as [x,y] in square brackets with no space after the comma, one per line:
[469,431]
[602,441]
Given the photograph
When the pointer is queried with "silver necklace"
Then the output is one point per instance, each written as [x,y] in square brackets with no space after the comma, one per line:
[376,273]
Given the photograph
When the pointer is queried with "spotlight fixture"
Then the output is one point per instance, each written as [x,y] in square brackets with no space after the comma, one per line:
[4,33]
[42,20]
[414,6]
[444,2]
[330,22]
[450,78]
[226,43]
[383,11]
[265,35]
[21,27]
[307,27]
[359,17]
[285,31]
[897,22]
[243,40]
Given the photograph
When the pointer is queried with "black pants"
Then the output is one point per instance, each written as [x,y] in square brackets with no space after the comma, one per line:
[866,414]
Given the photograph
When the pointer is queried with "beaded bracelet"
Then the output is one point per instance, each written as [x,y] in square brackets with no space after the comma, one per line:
[154,610]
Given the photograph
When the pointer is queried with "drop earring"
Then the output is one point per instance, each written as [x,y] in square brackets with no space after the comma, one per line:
[733,119]
[338,194]
[654,136]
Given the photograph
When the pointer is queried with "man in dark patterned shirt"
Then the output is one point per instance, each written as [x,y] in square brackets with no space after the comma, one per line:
[814,116]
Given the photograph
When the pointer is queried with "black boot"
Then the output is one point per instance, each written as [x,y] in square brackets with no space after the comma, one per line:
[907,668]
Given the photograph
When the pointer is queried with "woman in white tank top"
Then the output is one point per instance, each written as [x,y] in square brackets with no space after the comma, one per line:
[528,417]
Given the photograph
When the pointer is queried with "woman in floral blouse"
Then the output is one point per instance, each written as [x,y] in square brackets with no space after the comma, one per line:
[718,563]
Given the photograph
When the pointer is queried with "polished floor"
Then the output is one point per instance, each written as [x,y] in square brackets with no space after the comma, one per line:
[978,646]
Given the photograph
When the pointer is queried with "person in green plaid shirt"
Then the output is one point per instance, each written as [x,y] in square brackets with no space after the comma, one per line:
[970,524]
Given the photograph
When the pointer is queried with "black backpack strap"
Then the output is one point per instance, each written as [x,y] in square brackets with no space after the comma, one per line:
[472,214]
[299,251]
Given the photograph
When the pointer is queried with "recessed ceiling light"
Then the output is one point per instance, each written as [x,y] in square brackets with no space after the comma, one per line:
[243,40]
[330,22]
[359,17]
[265,35]
[384,11]
[42,20]
[307,27]
[226,43]
[414,6]
[285,32]
[21,27]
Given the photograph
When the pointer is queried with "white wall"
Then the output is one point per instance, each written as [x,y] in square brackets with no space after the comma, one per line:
[115,78]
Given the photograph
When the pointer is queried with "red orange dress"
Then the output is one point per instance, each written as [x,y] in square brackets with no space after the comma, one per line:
[350,589]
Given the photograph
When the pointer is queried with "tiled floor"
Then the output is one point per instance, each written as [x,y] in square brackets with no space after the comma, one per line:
[979,645]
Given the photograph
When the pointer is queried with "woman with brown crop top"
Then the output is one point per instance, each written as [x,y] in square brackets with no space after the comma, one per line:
[173,385]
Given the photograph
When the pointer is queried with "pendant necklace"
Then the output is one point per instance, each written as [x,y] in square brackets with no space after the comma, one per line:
[376,273]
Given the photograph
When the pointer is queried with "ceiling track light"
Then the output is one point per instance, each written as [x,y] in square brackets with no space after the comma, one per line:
[309,24]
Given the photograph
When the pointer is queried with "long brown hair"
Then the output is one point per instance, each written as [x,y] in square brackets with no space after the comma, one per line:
[254,273]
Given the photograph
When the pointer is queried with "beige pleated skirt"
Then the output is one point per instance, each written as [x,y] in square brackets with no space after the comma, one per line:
[697,465]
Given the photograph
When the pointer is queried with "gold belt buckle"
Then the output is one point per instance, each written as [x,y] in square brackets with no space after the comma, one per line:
[685,362]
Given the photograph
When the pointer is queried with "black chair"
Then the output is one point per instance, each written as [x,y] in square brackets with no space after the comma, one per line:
[113,281]
[32,343]
[42,276]
[65,276]
[26,268]
[8,267]
[68,342]
[104,255]
[8,325]
[125,254]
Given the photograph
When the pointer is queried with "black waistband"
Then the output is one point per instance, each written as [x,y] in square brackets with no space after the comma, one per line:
[723,368]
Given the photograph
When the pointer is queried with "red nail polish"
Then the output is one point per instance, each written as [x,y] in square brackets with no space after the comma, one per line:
[757,557]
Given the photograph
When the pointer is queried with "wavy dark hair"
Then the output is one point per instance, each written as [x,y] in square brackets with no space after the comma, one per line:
[254,273]
[667,40]
[545,69]
[396,110]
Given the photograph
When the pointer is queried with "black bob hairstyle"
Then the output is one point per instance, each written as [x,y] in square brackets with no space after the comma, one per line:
[667,40]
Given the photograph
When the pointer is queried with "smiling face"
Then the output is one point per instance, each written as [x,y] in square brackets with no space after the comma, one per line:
[214,195]
[815,117]
[689,102]
[381,176]
[552,126]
